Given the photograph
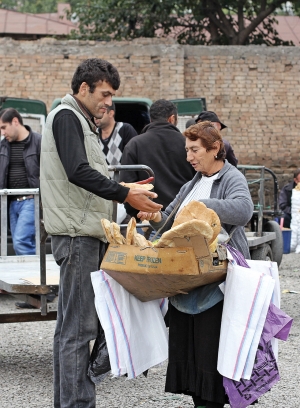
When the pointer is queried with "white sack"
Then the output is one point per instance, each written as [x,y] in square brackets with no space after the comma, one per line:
[135,331]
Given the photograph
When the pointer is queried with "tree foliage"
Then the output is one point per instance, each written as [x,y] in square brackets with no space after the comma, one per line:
[33,6]
[211,22]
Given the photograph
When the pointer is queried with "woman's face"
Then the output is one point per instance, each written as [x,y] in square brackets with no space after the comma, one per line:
[198,157]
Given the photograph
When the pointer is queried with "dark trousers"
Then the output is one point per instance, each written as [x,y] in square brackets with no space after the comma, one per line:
[77,322]
[287,220]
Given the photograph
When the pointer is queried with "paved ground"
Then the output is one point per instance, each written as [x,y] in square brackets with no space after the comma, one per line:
[26,363]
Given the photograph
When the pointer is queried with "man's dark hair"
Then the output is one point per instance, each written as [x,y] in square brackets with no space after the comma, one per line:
[7,115]
[92,71]
[190,122]
[297,172]
[161,110]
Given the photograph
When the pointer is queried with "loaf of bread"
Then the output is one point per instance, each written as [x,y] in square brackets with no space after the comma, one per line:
[195,210]
[147,186]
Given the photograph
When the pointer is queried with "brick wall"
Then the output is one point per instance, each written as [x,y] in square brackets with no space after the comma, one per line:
[255,90]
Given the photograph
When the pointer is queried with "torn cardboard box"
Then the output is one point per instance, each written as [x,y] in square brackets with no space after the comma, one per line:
[152,273]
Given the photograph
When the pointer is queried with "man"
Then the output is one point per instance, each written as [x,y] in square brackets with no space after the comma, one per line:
[189,122]
[113,135]
[20,168]
[160,146]
[212,117]
[76,194]
[285,198]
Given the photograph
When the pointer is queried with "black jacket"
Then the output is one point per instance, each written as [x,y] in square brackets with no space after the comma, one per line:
[161,146]
[230,156]
[31,156]
[285,197]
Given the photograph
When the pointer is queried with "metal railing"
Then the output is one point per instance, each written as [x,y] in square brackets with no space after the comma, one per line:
[116,176]
[4,211]
[261,192]
[40,233]
[35,191]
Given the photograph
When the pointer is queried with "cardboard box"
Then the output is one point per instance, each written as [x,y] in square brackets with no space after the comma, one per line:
[153,273]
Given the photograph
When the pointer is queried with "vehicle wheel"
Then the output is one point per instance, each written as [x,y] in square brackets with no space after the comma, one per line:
[276,244]
[263,253]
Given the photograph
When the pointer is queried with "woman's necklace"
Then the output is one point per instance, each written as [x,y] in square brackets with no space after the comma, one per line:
[210,175]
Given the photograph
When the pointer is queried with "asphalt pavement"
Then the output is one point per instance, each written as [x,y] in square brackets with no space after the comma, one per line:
[26,363]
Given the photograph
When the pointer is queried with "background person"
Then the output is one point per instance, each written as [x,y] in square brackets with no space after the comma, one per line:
[285,198]
[20,168]
[76,193]
[190,122]
[113,135]
[194,335]
[161,146]
[212,117]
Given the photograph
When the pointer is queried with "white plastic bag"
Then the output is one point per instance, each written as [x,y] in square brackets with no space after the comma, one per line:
[247,296]
[121,213]
[295,221]
[135,331]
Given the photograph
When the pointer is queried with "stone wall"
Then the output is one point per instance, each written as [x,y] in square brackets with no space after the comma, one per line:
[255,90]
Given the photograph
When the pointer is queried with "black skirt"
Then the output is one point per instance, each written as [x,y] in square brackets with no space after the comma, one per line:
[193,354]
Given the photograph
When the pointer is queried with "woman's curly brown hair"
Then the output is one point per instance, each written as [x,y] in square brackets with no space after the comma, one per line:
[208,134]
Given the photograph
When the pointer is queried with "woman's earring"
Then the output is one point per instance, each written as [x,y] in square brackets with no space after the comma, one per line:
[216,156]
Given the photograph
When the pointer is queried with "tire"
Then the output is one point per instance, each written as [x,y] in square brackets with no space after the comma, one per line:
[276,244]
[263,253]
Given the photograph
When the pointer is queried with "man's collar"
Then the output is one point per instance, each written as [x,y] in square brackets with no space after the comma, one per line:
[84,109]
[86,113]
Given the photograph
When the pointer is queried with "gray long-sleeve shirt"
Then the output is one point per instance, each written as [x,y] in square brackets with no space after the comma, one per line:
[230,199]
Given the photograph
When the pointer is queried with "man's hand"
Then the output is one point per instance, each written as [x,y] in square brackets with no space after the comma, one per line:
[141,200]
[145,216]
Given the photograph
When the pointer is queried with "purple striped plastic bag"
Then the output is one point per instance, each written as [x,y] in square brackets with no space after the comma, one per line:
[265,372]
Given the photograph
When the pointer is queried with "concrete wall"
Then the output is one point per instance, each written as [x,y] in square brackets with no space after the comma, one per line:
[255,90]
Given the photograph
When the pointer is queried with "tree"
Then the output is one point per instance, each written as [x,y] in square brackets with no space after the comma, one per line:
[33,6]
[211,22]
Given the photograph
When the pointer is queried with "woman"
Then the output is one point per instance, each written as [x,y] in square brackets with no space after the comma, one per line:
[194,336]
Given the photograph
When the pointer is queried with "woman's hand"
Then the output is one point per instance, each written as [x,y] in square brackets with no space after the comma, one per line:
[145,216]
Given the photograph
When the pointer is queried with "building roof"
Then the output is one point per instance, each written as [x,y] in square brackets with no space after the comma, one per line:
[288,28]
[24,25]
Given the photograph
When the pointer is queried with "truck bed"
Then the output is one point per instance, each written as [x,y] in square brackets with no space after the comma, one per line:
[21,274]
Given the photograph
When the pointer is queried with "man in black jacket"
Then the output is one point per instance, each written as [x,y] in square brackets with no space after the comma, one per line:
[285,198]
[20,169]
[212,117]
[160,146]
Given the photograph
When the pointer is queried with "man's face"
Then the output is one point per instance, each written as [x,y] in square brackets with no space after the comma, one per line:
[10,130]
[107,120]
[297,179]
[98,101]
[217,125]
[97,122]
